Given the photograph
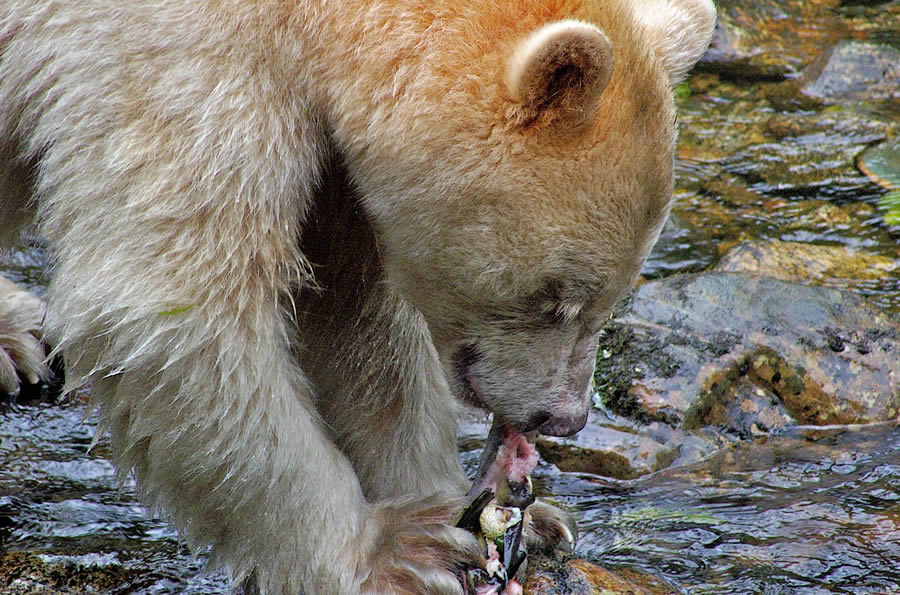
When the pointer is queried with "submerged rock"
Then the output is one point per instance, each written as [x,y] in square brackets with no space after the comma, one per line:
[853,71]
[607,451]
[777,39]
[616,447]
[749,354]
[831,266]
[554,576]
[25,573]
[771,38]
[808,155]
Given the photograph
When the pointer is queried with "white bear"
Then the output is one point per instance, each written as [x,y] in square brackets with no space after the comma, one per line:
[289,235]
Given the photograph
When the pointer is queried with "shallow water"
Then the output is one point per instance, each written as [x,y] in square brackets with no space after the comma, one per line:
[60,500]
[804,512]
[750,168]
[808,511]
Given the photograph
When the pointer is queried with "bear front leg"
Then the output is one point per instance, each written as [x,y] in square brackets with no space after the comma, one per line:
[21,349]
[177,318]
[207,407]
[383,398]
[379,383]
[388,405]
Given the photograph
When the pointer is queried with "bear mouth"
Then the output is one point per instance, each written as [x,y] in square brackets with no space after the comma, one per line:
[468,388]
[469,391]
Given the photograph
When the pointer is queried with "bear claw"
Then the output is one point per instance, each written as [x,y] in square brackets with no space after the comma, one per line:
[21,350]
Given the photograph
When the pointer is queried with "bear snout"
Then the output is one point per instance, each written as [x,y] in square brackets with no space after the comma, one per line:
[564,425]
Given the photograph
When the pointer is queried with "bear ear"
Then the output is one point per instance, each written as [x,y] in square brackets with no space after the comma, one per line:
[681,31]
[560,70]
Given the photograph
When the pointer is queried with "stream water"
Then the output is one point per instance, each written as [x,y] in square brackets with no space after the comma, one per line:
[60,500]
[806,512]
[812,510]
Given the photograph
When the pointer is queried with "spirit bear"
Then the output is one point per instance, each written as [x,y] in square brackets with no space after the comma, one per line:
[290,235]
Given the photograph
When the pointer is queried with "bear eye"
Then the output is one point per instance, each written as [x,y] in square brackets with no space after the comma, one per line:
[558,304]
[562,302]
[569,311]
[557,313]
[547,301]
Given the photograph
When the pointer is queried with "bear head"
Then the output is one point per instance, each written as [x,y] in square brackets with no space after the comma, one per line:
[518,169]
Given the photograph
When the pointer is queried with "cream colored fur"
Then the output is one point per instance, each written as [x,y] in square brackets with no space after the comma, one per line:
[287,232]
[21,351]
[681,30]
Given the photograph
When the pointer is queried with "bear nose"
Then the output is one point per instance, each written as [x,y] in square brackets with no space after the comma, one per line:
[564,425]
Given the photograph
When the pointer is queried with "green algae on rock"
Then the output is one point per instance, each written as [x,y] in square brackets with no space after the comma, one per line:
[882,164]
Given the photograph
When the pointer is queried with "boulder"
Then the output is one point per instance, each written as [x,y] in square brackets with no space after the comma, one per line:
[749,354]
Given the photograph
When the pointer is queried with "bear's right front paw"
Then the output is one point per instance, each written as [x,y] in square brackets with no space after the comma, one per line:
[21,351]
[420,551]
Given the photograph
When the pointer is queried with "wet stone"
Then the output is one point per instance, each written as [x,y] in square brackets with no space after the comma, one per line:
[873,20]
[768,144]
[809,155]
[754,410]
[845,125]
[777,39]
[824,217]
[852,230]
[616,447]
[771,39]
[749,354]
[25,573]
[547,576]
[853,71]
[607,452]
[732,115]
[831,266]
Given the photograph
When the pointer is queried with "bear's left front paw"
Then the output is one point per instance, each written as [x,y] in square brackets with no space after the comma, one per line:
[420,551]
[548,528]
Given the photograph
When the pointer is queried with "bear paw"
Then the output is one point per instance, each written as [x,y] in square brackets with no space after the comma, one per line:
[21,350]
[420,551]
[548,528]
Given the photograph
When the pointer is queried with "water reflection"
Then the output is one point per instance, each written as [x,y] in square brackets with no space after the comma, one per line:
[62,502]
[803,512]
[807,511]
